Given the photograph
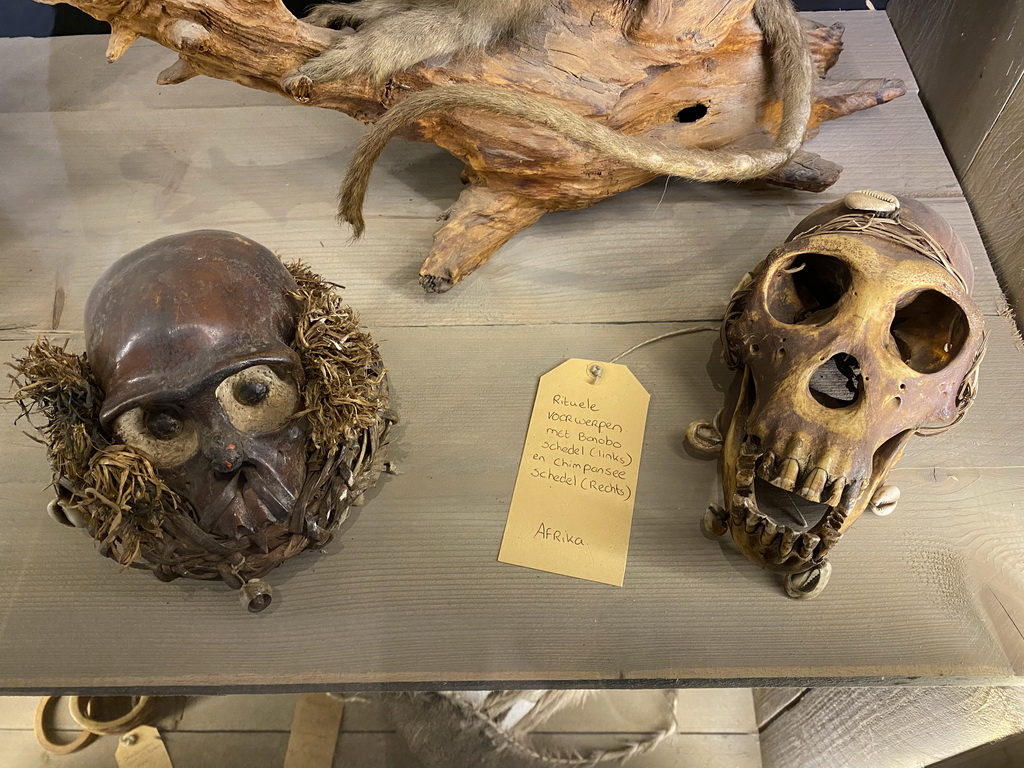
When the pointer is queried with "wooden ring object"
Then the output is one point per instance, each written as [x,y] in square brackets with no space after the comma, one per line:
[44,739]
[121,724]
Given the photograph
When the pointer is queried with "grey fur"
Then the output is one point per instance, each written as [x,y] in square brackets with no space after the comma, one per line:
[393,35]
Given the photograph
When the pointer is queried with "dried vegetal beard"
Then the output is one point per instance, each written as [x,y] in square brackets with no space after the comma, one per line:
[141,522]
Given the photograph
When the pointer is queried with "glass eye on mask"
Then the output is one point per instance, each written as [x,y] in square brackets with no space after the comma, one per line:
[165,436]
[257,399]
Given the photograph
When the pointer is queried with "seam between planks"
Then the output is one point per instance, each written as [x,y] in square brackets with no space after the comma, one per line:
[27,334]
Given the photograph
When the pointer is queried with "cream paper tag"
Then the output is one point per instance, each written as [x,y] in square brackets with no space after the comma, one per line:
[142,747]
[572,507]
[315,727]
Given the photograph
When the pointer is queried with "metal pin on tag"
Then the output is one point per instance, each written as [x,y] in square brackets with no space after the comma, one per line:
[596,372]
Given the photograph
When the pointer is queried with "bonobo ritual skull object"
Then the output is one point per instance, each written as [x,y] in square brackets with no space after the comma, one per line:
[856,334]
[228,411]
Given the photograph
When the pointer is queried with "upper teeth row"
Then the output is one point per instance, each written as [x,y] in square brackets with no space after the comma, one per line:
[813,483]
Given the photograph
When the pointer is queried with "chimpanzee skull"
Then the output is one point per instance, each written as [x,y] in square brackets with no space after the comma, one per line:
[189,337]
[850,338]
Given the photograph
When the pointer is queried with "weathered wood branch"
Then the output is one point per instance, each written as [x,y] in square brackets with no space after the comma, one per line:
[689,73]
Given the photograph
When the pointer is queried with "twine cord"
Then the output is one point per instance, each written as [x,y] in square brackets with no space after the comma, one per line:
[677,332]
[905,233]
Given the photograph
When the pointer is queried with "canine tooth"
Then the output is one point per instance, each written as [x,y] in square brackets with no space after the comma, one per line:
[786,543]
[814,484]
[837,492]
[768,532]
[807,542]
[789,469]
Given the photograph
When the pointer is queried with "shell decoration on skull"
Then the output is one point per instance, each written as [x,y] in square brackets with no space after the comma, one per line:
[226,414]
[856,334]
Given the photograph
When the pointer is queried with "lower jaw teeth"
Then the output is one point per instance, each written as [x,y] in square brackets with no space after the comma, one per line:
[778,542]
[807,544]
[786,543]
[752,521]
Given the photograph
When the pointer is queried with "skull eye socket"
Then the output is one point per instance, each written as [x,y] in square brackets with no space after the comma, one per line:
[160,433]
[258,399]
[929,331]
[807,289]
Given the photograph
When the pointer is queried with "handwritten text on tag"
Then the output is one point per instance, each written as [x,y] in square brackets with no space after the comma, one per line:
[572,507]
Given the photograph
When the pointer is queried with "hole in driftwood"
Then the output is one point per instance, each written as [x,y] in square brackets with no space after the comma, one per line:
[692,113]
[837,383]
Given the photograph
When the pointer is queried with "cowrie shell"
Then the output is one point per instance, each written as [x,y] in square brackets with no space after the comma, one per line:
[871,201]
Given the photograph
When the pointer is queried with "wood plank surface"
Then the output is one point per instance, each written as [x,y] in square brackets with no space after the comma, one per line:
[67,214]
[437,527]
[410,593]
[898,727]
[1005,753]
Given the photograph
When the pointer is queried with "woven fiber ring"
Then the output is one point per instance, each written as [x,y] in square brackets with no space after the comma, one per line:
[80,706]
[43,737]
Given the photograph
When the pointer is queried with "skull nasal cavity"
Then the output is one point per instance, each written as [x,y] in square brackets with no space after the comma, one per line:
[929,331]
[837,383]
[806,290]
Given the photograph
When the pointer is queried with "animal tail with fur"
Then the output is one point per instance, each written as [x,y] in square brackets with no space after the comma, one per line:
[790,58]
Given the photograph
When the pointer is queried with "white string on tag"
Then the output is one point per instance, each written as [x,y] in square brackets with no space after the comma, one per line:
[670,334]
